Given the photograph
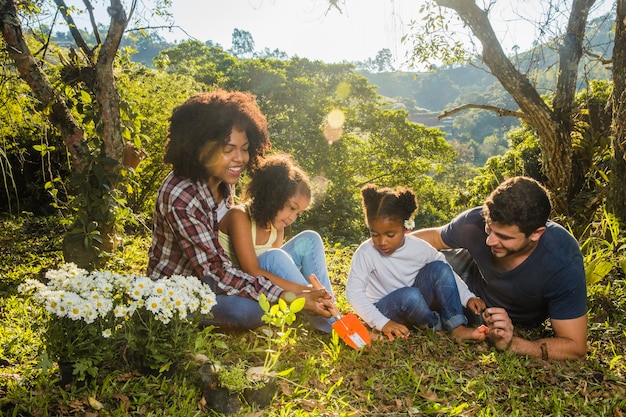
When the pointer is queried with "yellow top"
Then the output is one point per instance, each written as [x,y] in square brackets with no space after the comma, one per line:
[227,245]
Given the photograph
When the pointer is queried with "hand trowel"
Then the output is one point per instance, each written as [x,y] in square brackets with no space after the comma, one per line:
[348,327]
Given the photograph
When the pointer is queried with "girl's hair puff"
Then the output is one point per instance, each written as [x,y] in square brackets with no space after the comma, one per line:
[385,203]
[277,179]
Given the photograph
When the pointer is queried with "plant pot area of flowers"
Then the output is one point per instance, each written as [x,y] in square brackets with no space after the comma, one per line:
[101,320]
[226,388]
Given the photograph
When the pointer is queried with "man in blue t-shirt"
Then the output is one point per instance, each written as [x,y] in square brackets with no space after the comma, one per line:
[529,269]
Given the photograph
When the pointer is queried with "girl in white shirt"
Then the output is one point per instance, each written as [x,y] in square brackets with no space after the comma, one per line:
[397,281]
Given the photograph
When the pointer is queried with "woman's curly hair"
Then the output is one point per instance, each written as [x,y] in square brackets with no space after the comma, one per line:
[210,117]
[276,179]
[386,203]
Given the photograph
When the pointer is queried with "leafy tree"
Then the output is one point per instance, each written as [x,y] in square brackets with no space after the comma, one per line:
[243,44]
[81,99]
[591,149]
[553,122]
[151,96]
[205,63]
[383,60]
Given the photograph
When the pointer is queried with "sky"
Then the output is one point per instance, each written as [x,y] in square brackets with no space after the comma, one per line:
[314,29]
[306,28]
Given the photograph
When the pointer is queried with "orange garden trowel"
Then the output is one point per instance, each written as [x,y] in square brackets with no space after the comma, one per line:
[349,328]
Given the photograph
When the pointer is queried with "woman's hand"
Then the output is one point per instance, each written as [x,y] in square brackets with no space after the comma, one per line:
[317,302]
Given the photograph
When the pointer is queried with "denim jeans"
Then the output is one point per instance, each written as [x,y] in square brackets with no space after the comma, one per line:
[298,258]
[234,311]
[411,306]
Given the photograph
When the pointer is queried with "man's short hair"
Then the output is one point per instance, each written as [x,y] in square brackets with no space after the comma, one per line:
[519,201]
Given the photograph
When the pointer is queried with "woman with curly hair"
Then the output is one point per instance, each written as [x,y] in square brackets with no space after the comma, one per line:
[252,233]
[213,137]
[398,282]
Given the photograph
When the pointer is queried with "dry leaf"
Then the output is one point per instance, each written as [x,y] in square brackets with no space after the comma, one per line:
[95,404]
[202,404]
[124,400]
[432,396]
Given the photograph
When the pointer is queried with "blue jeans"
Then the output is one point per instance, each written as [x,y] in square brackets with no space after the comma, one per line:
[411,306]
[298,258]
[234,311]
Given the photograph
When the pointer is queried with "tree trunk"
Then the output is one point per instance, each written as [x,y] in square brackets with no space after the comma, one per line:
[28,68]
[104,90]
[616,201]
[553,126]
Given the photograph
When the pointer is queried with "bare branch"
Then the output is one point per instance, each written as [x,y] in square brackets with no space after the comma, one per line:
[604,61]
[78,38]
[499,110]
[92,19]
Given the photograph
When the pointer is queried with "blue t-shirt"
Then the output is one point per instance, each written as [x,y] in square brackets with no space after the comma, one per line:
[549,283]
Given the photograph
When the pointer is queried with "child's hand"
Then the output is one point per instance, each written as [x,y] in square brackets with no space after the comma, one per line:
[476,305]
[392,329]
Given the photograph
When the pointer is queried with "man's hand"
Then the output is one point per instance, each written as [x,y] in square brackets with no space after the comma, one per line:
[500,327]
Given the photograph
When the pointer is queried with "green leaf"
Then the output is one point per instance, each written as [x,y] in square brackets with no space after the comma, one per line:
[265,305]
[274,310]
[597,270]
[285,372]
[297,305]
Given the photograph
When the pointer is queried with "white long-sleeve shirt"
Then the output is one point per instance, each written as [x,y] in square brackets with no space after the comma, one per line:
[373,275]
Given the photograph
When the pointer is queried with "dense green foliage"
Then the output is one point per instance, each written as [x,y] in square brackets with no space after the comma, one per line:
[370,143]
[376,140]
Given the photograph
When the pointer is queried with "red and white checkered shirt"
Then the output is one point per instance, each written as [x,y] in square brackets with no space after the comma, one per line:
[185,242]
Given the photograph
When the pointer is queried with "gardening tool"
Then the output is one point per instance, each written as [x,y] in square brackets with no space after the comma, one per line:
[349,328]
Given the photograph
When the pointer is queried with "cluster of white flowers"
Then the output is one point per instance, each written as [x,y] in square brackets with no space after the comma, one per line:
[80,295]
[176,295]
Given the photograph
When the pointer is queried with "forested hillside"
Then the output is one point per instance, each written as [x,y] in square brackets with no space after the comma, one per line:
[475,134]
[479,134]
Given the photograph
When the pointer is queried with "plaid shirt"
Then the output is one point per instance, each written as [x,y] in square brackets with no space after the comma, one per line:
[184,242]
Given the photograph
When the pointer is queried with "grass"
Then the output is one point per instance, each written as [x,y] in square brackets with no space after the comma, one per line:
[427,374]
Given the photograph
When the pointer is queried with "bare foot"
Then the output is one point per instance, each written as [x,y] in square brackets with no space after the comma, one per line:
[462,333]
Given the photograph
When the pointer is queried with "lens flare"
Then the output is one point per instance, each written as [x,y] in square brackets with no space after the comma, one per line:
[333,128]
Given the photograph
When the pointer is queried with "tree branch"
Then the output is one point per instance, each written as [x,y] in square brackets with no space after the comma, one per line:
[78,38]
[92,19]
[570,53]
[105,89]
[499,110]
[32,74]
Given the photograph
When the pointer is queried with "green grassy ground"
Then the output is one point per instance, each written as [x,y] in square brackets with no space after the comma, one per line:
[428,374]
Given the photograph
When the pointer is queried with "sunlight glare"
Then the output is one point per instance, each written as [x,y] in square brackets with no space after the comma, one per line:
[333,128]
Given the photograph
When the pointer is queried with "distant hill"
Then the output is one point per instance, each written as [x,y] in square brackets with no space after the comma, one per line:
[425,95]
